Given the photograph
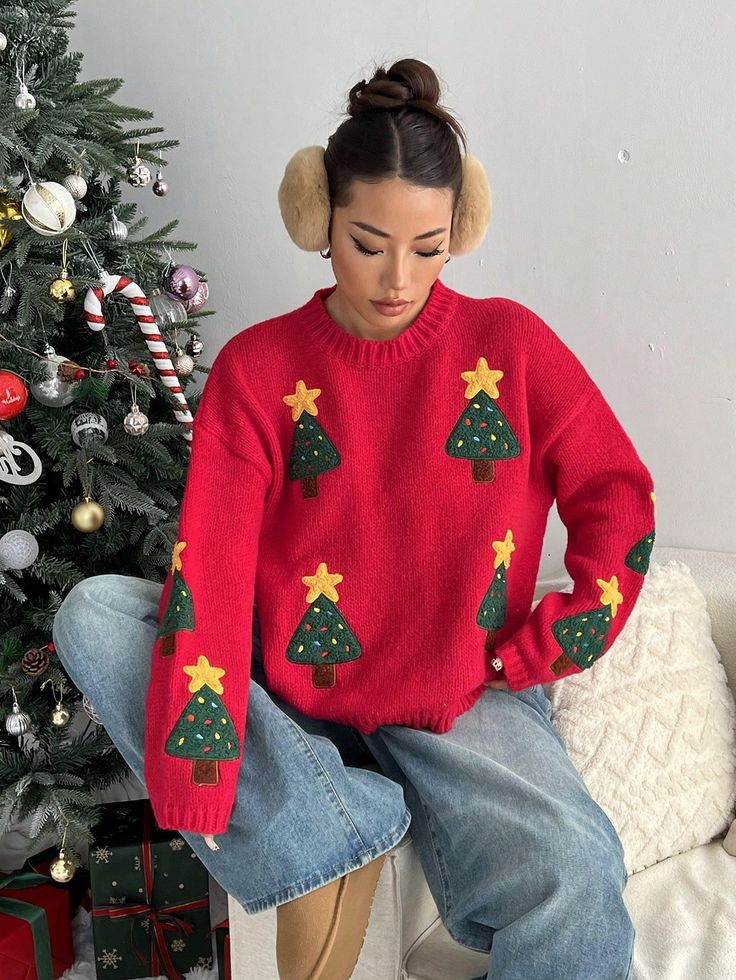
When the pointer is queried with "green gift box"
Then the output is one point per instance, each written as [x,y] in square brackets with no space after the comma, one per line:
[150,897]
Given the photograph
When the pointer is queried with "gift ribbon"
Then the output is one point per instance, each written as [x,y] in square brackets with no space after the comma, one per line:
[160,921]
[34,915]
[225,924]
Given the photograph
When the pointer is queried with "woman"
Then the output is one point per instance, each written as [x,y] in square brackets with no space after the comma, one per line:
[410,456]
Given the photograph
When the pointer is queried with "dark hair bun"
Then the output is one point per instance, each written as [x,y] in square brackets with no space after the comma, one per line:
[407,82]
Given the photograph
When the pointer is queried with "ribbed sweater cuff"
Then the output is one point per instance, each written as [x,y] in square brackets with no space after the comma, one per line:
[178,816]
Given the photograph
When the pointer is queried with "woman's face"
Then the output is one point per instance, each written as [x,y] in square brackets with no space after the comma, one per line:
[380,250]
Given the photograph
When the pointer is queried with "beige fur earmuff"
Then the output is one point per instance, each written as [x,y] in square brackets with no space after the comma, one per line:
[304,201]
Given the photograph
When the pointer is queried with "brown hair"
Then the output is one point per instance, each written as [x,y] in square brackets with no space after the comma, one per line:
[396,129]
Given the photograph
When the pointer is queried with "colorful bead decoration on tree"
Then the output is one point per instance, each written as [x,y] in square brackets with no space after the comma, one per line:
[492,610]
[179,613]
[204,732]
[312,450]
[482,434]
[323,637]
[582,635]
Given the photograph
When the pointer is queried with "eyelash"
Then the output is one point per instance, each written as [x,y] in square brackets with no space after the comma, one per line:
[425,255]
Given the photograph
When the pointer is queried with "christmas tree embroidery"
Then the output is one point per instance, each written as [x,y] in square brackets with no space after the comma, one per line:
[179,613]
[482,433]
[323,637]
[205,732]
[492,611]
[582,636]
[638,557]
[312,451]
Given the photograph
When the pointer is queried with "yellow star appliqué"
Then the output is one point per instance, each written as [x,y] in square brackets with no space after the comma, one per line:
[322,583]
[610,595]
[503,550]
[204,673]
[483,378]
[176,556]
[302,400]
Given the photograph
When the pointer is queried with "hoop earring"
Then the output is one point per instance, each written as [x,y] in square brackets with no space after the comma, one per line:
[329,254]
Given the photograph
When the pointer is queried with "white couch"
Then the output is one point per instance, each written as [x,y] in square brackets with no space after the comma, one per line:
[683,908]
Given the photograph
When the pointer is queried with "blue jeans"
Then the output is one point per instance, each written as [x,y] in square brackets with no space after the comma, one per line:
[521,861]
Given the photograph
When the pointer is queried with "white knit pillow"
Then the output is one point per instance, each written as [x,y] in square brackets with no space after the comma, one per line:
[651,726]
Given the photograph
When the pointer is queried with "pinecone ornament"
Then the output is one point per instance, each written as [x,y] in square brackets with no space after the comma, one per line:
[35,662]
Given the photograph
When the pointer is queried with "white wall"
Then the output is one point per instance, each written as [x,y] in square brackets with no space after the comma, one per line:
[632,263]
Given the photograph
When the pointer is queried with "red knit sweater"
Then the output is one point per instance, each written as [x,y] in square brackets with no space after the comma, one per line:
[384,504]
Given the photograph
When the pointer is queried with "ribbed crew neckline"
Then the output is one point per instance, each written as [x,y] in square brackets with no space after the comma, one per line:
[416,338]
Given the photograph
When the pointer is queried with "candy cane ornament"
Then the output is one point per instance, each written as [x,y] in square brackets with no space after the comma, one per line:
[147,322]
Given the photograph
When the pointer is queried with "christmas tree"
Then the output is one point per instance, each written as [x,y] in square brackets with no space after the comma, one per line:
[482,433]
[312,451]
[205,732]
[97,349]
[323,638]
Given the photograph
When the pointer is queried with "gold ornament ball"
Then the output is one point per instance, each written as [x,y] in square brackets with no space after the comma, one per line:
[62,290]
[62,868]
[7,210]
[88,516]
[60,716]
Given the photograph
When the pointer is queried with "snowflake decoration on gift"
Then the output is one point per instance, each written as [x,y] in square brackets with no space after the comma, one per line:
[176,843]
[102,854]
[205,961]
[110,957]
[178,945]
[117,901]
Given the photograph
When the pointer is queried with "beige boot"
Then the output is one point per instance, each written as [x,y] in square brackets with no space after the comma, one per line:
[319,935]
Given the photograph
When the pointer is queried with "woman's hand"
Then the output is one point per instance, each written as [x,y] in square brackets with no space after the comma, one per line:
[210,842]
[503,685]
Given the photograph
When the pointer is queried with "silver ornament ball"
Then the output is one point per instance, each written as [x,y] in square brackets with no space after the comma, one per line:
[54,392]
[25,99]
[89,427]
[76,185]
[17,723]
[135,422]
[138,174]
[3,41]
[184,364]
[118,229]
[18,549]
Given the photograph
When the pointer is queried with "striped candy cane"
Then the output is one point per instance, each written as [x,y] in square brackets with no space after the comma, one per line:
[147,322]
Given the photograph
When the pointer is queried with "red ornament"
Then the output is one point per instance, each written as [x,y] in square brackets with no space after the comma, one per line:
[51,647]
[132,364]
[81,373]
[111,363]
[13,395]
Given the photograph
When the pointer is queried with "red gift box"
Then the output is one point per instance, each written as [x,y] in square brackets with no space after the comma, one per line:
[48,905]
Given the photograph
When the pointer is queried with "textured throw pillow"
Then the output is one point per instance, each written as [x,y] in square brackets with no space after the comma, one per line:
[651,727]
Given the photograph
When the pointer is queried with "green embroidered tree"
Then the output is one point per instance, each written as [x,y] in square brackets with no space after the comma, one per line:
[323,637]
[179,613]
[205,732]
[583,635]
[312,451]
[482,434]
[638,557]
[492,610]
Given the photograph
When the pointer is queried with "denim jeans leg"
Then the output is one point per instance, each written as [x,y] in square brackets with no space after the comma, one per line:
[301,817]
[522,862]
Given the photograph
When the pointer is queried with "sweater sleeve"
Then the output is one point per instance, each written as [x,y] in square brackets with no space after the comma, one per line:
[197,698]
[605,499]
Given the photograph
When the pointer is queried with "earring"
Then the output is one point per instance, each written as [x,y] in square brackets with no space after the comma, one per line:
[325,256]
[304,201]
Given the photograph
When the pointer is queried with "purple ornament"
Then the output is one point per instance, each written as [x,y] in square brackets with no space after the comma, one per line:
[181,282]
[195,304]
